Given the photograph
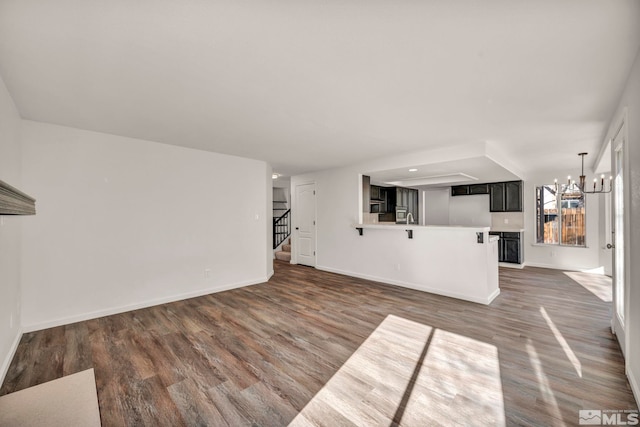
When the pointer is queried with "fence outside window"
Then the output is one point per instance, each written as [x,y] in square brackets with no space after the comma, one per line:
[560,215]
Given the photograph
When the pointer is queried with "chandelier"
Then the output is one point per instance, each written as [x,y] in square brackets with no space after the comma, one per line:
[582,183]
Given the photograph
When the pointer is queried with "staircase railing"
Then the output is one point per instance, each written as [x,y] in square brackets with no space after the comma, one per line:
[281,228]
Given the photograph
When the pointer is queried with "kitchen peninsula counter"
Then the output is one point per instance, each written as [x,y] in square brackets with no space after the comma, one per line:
[393,226]
[455,261]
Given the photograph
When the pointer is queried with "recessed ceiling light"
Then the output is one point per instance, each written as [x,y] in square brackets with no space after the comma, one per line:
[413,170]
[275,176]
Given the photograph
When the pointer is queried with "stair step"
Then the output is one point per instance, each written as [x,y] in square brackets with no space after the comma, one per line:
[286,248]
[283,256]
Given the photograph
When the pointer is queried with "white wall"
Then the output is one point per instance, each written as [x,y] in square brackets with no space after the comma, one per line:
[10,230]
[124,223]
[630,101]
[470,210]
[555,256]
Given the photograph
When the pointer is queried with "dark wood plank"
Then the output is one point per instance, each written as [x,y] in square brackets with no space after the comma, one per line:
[262,354]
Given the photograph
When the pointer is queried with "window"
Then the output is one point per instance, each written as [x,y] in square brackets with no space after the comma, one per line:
[560,215]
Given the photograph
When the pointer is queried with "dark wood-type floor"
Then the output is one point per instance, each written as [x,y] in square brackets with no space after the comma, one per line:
[258,355]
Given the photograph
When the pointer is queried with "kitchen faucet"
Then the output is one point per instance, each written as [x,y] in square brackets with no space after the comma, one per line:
[409,218]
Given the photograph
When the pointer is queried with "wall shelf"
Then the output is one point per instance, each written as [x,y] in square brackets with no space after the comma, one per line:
[15,202]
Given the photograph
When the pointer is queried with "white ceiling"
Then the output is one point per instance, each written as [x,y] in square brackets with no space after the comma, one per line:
[480,169]
[309,85]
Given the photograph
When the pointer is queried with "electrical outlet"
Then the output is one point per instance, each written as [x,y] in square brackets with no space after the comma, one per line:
[397,267]
[552,254]
[207,273]
[506,220]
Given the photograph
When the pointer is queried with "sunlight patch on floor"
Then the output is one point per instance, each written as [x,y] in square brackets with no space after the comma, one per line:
[597,284]
[543,382]
[413,374]
[563,343]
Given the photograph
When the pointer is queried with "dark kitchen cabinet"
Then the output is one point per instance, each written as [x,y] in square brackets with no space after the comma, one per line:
[513,196]
[505,196]
[366,193]
[375,192]
[468,190]
[509,246]
[388,194]
[460,190]
[384,200]
[511,250]
[496,197]
[479,189]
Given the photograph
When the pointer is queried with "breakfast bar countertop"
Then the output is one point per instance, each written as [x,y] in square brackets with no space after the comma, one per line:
[391,226]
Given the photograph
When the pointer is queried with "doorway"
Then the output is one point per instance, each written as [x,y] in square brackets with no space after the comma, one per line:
[305,224]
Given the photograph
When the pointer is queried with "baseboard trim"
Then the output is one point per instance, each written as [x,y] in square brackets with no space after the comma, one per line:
[7,361]
[511,265]
[635,386]
[493,296]
[551,266]
[150,303]
[485,301]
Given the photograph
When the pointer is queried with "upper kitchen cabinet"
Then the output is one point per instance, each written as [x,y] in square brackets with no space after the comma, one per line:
[479,189]
[467,190]
[496,197]
[366,193]
[505,196]
[460,190]
[513,196]
[375,193]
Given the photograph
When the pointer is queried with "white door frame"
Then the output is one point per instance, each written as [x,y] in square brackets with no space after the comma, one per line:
[296,258]
[619,143]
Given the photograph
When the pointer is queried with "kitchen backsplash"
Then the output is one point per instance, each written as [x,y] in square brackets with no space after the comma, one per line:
[513,220]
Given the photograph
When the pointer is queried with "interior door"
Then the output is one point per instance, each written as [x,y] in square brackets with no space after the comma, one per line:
[305,226]
[618,230]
